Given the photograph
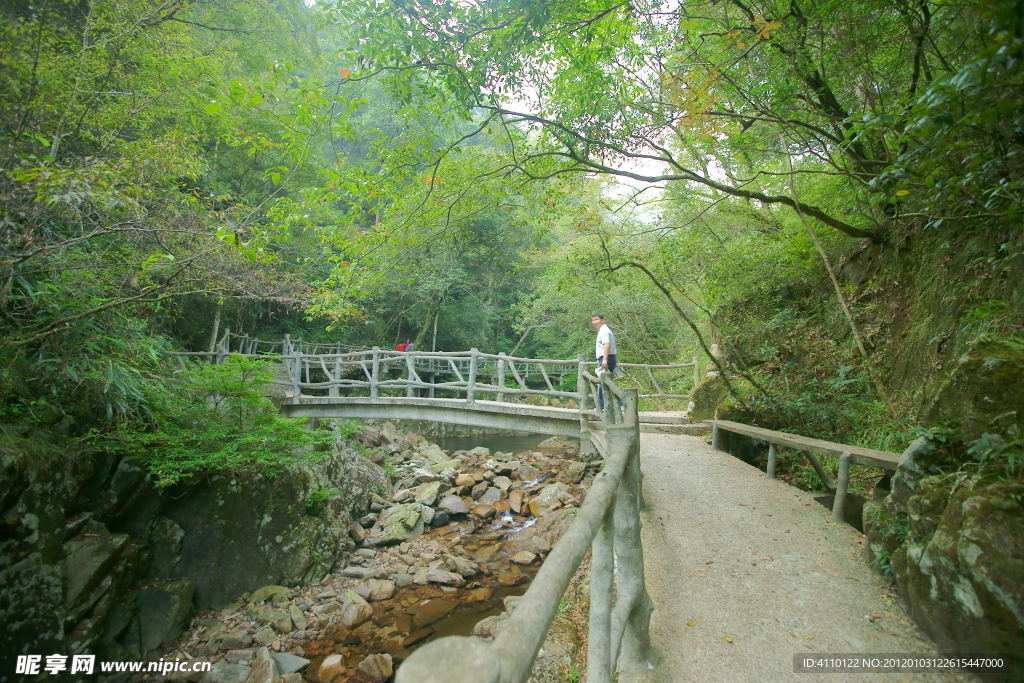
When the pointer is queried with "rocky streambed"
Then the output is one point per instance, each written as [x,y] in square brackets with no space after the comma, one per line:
[446,551]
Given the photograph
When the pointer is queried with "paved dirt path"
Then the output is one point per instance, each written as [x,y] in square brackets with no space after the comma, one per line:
[757,561]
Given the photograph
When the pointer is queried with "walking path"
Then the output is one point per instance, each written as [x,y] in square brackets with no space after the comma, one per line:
[745,571]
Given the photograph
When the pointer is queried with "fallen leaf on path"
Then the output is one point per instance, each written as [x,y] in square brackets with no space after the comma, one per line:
[754,563]
[891,633]
[710,562]
[691,623]
[793,634]
[872,617]
[787,531]
[810,637]
[872,635]
[728,639]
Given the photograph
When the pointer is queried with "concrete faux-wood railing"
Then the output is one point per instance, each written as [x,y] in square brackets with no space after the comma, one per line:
[810,448]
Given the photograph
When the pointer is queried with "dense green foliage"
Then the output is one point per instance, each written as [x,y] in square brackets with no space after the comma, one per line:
[824,193]
[216,417]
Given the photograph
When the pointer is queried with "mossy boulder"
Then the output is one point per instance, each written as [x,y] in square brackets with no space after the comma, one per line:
[707,397]
[985,391]
[961,569]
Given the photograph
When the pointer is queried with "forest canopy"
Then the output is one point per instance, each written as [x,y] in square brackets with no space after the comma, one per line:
[826,192]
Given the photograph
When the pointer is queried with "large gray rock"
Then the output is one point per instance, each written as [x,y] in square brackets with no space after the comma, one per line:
[264,668]
[401,523]
[163,612]
[377,668]
[961,566]
[355,611]
[165,539]
[223,672]
[547,498]
[914,464]
[287,664]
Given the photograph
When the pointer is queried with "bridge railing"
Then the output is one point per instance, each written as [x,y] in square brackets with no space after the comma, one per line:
[809,447]
[344,366]
[607,524]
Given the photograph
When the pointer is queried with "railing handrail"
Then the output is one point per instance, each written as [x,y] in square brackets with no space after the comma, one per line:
[847,455]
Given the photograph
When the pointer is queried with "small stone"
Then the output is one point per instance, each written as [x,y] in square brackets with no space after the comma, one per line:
[331,667]
[224,672]
[539,545]
[484,511]
[236,641]
[381,590]
[264,668]
[357,532]
[524,557]
[355,611]
[298,619]
[489,626]
[403,580]
[575,472]
[265,636]
[378,668]
[446,578]
[239,656]
[291,678]
[429,611]
[503,483]
[515,501]
[268,593]
[479,489]
[367,521]
[288,664]
[491,496]
[440,519]
[465,480]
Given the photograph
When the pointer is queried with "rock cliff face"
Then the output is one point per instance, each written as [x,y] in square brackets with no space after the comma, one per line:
[957,554]
[94,558]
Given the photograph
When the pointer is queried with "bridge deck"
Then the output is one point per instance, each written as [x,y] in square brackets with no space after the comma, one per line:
[756,560]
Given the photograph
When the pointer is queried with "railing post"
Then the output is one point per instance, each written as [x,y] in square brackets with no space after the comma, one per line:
[696,371]
[501,377]
[773,459]
[295,371]
[602,572]
[843,483]
[471,384]
[224,347]
[286,345]
[409,360]
[716,438]
[375,372]
[633,605]
[583,396]
[335,378]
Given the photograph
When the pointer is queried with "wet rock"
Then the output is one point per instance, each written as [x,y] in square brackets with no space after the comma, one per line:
[547,499]
[479,452]
[479,490]
[491,496]
[440,519]
[429,611]
[489,626]
[575,472]
[461,566]
[377,668]
[332,667]
[524,557]
[445,578]
[503,483]
[528,473]
[515,501]
[484,511]
[355,611]
[223,672]
[287,664]
[291,678]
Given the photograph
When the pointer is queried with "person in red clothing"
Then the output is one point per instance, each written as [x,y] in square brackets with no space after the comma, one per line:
[402,346]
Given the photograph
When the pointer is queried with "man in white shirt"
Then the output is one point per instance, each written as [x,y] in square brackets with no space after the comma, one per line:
[605,349]
[605,343]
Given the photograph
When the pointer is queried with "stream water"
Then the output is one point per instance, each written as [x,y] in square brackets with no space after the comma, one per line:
[495,443]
